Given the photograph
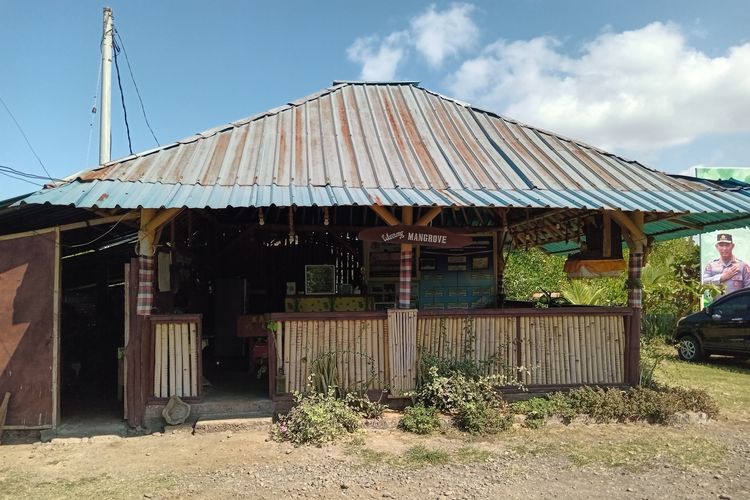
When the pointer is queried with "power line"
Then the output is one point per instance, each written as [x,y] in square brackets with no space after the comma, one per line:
[100,236]
[138,93]
[37,184]
[11,170]
[122,96]
[24,136]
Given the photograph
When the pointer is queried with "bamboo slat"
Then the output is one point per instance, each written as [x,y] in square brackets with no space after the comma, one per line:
[172,361]
[554,375]
[177,348]
[185,359]
[286,329]
[194,348]
[157,360]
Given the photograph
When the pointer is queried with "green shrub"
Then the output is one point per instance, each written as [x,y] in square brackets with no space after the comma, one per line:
[449,393]
[696,400]
[419,419]
[359,402]
[537,411]
[315,419]
[481,417]
[608,405]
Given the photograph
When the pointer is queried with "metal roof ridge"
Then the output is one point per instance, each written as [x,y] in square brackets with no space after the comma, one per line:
[473,107]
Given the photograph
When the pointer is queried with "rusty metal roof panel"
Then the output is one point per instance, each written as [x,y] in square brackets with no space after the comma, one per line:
[115,194]
[390,144]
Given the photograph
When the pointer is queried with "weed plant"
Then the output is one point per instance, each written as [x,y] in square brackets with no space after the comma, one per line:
[420,419]
[361,403]
[316,419]
[481,417]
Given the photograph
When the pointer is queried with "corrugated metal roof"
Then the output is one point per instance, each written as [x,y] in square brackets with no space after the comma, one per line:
[116,194]
[387,144]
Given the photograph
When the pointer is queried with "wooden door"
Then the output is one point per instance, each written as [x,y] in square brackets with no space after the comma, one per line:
[30,328]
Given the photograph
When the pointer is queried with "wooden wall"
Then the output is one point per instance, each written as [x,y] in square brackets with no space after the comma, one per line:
[538,347]
[29,335]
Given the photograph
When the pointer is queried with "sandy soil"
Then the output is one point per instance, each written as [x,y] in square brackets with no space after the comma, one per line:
[710,460]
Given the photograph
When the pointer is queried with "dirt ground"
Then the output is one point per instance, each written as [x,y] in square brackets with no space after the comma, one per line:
[695,460]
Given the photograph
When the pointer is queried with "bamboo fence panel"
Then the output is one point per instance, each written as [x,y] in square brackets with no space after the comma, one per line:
[175,359]
[402,328]
[358,345]
[486,340]
[568,350]
[549,349]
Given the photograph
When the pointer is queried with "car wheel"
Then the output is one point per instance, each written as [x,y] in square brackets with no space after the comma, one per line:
[690,349]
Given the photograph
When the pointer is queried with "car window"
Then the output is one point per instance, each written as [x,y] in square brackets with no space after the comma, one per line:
[736,307]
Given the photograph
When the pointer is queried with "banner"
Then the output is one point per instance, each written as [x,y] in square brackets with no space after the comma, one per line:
[738,249]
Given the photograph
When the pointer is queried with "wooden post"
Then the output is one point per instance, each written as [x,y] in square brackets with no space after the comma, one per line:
[138,347]
[404,295]
[3,414]
[632,227]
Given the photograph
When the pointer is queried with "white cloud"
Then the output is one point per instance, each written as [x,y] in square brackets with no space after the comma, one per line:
[379,58]
[434,35]
[640,90]
[441,34]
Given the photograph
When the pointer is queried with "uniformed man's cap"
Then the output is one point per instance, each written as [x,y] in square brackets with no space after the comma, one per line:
[723,237]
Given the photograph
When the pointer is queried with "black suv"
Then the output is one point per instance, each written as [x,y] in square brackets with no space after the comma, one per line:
[721,328]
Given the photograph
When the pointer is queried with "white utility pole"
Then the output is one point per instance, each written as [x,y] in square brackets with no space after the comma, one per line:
[105,134]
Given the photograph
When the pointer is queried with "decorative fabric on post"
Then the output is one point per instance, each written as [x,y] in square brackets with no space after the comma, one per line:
[635,289]
[404,290]
[145,300]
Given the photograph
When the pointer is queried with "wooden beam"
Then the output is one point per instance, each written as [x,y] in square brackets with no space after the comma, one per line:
[385,214]
[691,225]
[429,216]
[56,322]
[607,236]
[74,225]
[159,218]
[152,220]
[545,215]
[632,227]
[407,215]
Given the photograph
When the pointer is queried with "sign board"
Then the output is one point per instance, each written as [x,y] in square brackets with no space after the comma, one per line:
[740,236]
[416,235]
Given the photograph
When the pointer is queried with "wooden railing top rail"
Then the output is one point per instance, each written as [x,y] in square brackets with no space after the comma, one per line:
[175,318]
[297,316]
[450,313]
[531,311]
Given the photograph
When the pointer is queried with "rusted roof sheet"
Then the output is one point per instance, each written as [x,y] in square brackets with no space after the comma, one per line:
[388,144]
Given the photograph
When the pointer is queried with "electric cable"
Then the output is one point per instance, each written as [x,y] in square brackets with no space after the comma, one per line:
[37,184]
[115,51]
[100,236]
[21,173]
[24,136]
[135,85]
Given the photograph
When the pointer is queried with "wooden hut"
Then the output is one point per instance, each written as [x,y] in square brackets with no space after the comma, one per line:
[369,220]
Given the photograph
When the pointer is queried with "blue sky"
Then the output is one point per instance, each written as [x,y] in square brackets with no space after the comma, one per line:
[666,83]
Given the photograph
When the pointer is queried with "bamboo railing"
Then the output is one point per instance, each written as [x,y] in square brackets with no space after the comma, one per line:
[531,347]
[176,355]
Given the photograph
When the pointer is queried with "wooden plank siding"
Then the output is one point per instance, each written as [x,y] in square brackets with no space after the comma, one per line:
[555,347]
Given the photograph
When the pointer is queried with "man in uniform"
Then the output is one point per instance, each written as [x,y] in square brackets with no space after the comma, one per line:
[727,270]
